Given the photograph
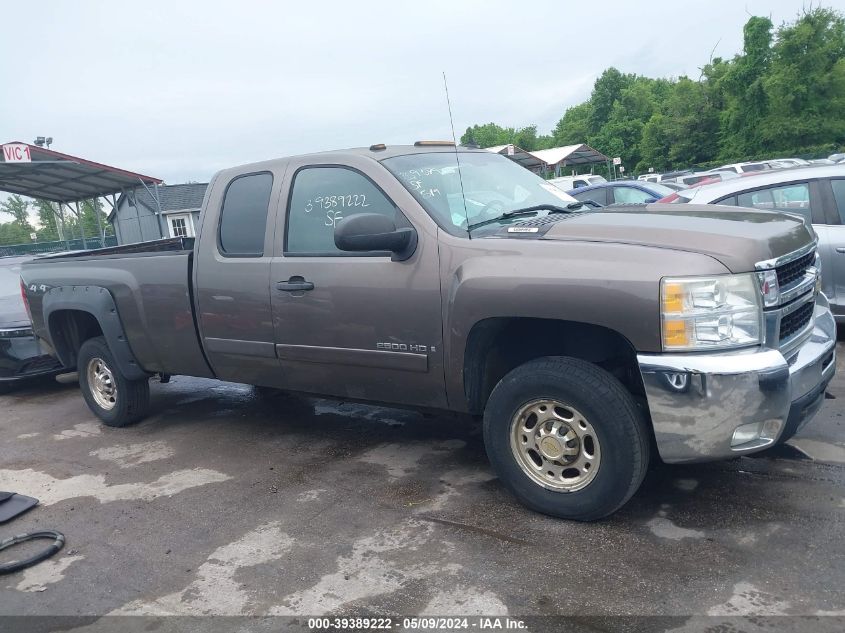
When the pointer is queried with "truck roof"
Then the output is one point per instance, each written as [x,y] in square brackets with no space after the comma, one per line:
[377,152]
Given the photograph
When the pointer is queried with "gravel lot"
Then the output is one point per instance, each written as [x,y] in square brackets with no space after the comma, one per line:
[228,502]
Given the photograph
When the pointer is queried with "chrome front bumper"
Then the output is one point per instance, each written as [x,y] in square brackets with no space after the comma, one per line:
[698,401]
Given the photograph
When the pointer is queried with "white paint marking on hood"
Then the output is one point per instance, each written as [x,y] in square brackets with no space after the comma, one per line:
[50,490]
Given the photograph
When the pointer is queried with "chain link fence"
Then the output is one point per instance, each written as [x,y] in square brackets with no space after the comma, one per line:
[57,246]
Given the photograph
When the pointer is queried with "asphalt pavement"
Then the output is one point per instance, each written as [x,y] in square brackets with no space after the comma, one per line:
[227,501]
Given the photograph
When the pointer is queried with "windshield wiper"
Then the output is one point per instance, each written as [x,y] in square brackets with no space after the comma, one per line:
[551,208]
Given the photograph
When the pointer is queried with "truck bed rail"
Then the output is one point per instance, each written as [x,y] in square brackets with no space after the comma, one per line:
[155,246]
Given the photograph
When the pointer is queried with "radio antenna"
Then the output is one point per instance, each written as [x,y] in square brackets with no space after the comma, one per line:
[457,154]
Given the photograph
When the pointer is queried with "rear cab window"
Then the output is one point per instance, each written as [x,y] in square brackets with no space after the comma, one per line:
[243,216]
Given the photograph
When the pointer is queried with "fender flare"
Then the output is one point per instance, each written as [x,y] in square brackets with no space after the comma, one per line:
[99,303]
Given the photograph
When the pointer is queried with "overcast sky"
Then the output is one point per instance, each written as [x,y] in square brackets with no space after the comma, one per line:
[178,89]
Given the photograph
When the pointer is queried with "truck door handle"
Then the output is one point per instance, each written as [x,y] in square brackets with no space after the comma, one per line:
[294,284]
[840,249]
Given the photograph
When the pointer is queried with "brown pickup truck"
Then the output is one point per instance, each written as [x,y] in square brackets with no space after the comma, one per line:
[448,278]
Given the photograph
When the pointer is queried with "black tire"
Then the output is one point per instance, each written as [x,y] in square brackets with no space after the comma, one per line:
[131,397]
[618,425]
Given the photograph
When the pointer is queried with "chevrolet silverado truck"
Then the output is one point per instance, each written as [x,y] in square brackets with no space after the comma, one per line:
[445,278]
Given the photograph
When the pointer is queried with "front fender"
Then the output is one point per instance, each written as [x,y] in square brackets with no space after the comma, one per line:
[612,285]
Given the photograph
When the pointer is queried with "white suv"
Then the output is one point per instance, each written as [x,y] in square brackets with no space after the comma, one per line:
[568,183]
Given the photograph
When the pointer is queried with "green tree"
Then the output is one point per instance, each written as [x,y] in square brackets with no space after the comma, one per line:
[18,208]
[622,133]
[574,126]
[783,94]
[49,224]
[655,145]
[806,86]
[18,230]
[490,135]
[487,135]
[742,85]
[606,91]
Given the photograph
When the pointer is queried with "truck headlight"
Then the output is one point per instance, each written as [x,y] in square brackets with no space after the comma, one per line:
[704,313]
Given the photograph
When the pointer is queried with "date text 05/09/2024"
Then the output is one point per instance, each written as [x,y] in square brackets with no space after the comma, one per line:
[480,623]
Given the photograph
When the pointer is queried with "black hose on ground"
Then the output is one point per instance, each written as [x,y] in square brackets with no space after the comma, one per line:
[58,543]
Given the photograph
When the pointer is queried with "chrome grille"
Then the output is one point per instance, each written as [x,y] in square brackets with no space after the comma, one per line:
[796,320]
[791,271]
[788,324]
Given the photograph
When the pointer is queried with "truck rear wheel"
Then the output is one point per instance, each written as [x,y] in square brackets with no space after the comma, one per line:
[566,438]
[114,399]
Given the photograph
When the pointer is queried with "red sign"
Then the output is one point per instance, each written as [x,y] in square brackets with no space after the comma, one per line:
[16,153]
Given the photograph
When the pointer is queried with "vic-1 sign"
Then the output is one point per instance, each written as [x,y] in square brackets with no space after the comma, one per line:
[16,153]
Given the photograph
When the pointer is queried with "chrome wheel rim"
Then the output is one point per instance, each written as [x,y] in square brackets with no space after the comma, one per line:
[555,445]
[102,384]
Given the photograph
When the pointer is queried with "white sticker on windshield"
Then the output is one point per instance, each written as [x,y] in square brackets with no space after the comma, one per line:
[560,193]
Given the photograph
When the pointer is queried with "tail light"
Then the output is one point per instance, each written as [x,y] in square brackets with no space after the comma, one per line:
[25,300]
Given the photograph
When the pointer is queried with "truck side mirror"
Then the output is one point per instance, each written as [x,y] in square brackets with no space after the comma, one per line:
[375,232]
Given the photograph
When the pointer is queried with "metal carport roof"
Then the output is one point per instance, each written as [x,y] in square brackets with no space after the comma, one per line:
[570,155]
[38,172]
[550,159]
[518,155]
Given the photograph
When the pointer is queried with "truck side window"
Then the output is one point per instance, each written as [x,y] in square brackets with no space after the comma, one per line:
[320,198]
[243,218]
[794,198]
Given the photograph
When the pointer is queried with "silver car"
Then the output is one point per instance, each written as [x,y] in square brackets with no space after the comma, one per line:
[815,193]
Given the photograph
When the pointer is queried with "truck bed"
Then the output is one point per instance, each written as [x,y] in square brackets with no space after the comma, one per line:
[156,246]
[151,284]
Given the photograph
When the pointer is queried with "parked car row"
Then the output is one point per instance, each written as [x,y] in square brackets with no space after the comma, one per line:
[724,172]
[817,194]
[621,192]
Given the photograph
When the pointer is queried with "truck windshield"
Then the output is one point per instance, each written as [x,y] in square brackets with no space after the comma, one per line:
[492,186]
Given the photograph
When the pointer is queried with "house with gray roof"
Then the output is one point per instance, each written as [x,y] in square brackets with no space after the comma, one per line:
[156,212]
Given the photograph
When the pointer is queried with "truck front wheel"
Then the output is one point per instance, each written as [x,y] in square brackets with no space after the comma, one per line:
[114,399]
[566,438]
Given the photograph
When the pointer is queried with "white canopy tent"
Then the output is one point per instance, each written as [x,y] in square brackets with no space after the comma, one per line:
[553,159]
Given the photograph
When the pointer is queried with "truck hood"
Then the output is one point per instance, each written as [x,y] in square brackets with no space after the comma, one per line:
[737,237]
